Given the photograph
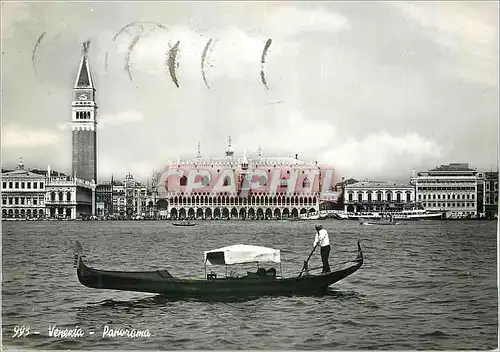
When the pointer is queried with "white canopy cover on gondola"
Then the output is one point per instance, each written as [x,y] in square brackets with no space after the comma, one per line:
[241,253]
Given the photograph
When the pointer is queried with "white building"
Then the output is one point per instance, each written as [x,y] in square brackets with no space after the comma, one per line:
[452,189]
[23,194]
[373,196]
[69,197]
[35,194]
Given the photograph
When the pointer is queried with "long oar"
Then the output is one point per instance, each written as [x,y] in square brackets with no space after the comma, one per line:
[306,261]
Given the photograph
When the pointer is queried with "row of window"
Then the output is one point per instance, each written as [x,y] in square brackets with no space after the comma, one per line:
[240,201]
[450,205]
[60,211]
[244,201]
[446,181]
[61,196]
[36,200]
[122,194]
[80,115]
[488,199]
[446,188]
[388,197]
[22,201]
[251,193]
[445,196]
[491,186]
[378,192]
[262,181]
[22,213]
[22,185]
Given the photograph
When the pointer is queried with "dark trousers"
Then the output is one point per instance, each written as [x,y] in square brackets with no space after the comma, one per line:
[325,252]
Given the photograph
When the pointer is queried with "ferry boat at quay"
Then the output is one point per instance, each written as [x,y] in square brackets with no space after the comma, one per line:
[408,215]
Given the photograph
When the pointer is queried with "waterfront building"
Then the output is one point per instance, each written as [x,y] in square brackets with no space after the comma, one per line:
[37,193]
[104,199]
[241,188]
[23,194]
[454,189]
[375,196]
[69,197]
[130,198]
[339,200]
[118,194]
[84,123]
[491,194]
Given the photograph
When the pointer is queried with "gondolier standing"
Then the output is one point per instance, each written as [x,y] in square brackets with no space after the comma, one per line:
[322,239]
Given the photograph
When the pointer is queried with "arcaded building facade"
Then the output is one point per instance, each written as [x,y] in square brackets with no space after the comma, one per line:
[378,196]
[241,188]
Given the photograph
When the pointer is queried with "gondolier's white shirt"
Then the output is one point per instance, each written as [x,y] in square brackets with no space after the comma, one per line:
[321,238]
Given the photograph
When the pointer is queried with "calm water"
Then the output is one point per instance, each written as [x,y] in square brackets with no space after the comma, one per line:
[424,285]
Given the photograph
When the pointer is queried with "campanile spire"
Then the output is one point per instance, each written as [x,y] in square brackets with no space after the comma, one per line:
[84,76]
[83,120]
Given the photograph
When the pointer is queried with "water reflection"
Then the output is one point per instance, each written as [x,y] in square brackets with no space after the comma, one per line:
[161,300]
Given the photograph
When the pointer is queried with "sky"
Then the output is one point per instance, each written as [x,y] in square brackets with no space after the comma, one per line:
[374,89]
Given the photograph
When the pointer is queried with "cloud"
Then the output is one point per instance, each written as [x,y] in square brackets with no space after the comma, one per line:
[381,154]
[120,118]
[289,132]
[463,29]
[291,20]
[15,136]
[454,19]
[234,46]
[235,52]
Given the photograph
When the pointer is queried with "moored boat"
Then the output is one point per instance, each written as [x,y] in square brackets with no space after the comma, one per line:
[184,223]
[311,217]
[260,283]
[379,222]
[414,215]
[403,215]
[387,221]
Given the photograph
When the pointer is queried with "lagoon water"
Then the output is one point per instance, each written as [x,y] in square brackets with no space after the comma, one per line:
[424,285]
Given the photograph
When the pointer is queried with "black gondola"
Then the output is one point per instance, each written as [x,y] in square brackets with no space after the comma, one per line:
[261,283]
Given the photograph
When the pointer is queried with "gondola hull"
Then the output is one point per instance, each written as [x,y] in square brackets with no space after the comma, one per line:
[163,283]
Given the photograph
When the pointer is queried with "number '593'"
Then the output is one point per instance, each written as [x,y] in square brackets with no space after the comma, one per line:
[21,331]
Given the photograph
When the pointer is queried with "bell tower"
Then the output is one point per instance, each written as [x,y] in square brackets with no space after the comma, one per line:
[84,123]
